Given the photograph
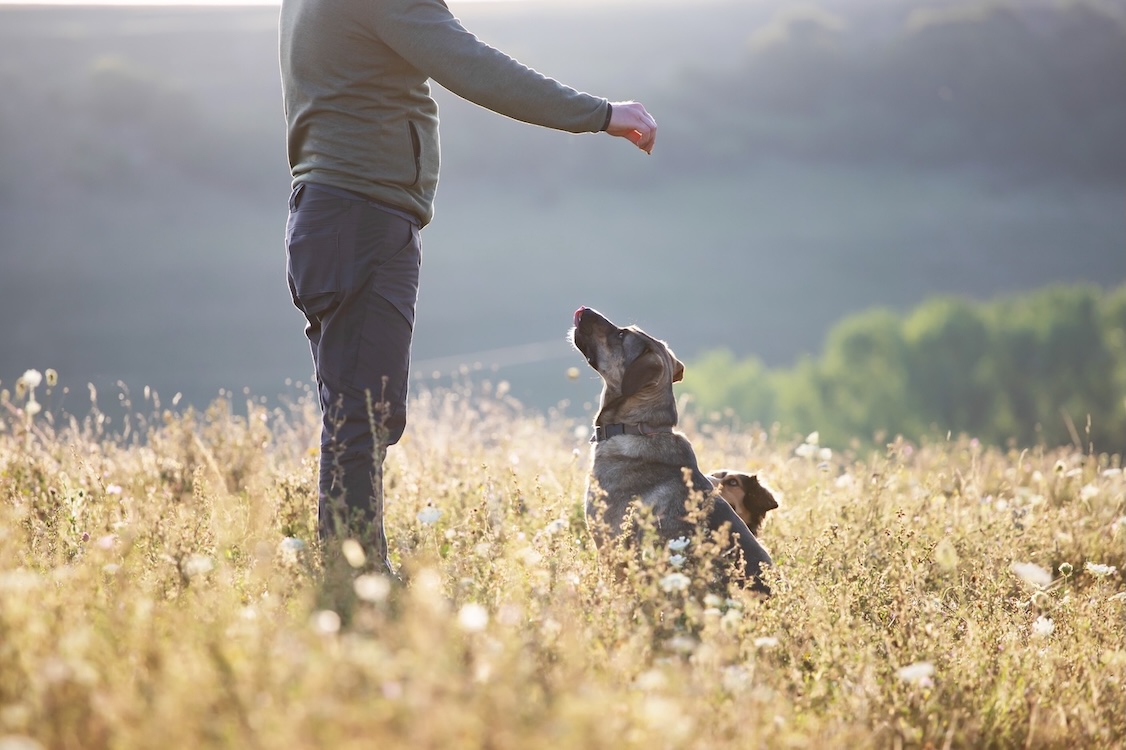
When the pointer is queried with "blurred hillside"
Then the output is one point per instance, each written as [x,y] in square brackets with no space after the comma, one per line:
[813,161]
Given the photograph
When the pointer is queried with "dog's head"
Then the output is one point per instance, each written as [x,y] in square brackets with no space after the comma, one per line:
[746,495]
[637,370]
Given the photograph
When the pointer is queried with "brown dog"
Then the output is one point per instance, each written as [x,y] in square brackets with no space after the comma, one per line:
[746,495]
[637,456]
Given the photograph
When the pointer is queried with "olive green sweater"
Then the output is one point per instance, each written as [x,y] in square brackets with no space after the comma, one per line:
[359,114]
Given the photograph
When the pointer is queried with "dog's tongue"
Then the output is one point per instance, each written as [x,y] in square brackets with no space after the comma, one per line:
[579,315]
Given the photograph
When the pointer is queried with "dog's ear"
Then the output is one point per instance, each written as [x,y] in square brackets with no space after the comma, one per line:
[641,372]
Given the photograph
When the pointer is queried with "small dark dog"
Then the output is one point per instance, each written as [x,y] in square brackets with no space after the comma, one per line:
[638,456]
[750,499]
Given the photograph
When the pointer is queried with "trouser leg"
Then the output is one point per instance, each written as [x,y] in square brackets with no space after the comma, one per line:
[353,270]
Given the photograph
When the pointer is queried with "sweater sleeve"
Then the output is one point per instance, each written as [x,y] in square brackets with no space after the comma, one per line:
[427,35]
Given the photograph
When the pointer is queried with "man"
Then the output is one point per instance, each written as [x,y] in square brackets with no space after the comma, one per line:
[362,137]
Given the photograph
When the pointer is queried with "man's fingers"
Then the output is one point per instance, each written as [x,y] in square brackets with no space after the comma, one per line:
[630,120]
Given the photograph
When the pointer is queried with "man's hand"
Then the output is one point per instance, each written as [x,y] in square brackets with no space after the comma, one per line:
[630,120]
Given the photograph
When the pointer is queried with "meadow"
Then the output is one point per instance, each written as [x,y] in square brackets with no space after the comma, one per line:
[160,586]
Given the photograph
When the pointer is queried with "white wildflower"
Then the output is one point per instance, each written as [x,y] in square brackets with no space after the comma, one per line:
[196,565]
[1032,574]
[429,515]
[766,642]
[920,673]
[1099,570]
[1066,569]
[32,407]
[113,489]
[679,544]
[52,377]
[813,438]
[1088,492]
[31,379]
[675,582]
[290,549]
[681,644]
[473,618]
[372,588]
[946,555]
[325,622]
[825,454]
[353,553]
[1043,627]
[677,561]
[805,450]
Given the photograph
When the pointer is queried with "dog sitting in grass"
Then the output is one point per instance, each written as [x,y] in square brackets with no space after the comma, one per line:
[637,455]
[750,500]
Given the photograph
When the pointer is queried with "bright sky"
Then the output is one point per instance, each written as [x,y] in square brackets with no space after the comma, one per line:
[187,2]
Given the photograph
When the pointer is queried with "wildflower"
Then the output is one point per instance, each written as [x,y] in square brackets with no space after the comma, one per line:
[473,618]
[113,489]
[825,454]
[572,373]
[290,549]
[196,565]
[735,679]
[813,438]
[1032,574]
[920,673]
[1065,569]
[1099,570]
[31,379]
[677,561]
[353,553]
[681,644]
[679,544]
[1043,627]
[946,555]
[650,680]
[805,450]
[52,378]
[21,389]
[326,622]
[766,641]
[1088,492]
[429,515]
[32,408]
[372,588]
[675,582]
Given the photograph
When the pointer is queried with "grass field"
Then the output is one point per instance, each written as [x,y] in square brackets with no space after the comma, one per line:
[152,593]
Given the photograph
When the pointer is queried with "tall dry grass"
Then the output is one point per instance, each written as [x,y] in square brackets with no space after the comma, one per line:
[152,593]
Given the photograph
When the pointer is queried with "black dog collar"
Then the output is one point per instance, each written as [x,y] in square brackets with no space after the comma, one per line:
[605,432]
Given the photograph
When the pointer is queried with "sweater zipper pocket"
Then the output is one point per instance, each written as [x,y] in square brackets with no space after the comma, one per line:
[416,145]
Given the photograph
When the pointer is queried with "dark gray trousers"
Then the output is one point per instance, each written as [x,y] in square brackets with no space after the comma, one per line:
[353,268]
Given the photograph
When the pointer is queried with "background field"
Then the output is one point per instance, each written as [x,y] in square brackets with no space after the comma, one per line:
[813,162]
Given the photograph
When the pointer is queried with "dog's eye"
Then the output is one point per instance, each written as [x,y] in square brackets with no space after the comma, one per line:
[622,333]
[731,482]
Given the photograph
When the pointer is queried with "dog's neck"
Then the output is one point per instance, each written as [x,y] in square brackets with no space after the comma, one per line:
[606,431]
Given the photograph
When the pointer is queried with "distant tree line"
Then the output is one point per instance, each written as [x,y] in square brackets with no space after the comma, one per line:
[1027,91]
[1043,368]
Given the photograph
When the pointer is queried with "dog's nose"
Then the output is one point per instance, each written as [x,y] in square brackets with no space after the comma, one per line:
[579,315]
